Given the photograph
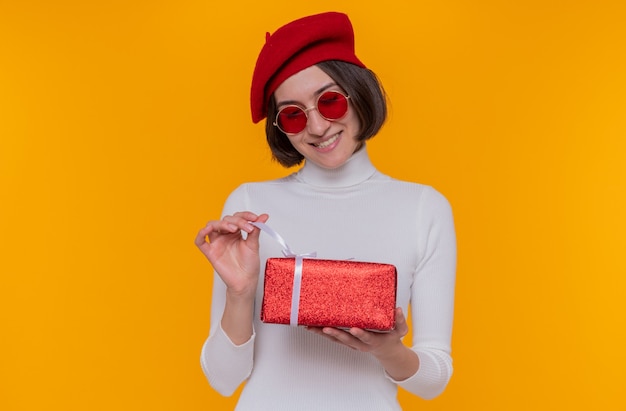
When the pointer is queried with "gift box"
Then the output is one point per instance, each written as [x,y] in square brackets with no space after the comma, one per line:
[329,293]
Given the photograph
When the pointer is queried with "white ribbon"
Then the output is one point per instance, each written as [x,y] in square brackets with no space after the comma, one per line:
[297,273]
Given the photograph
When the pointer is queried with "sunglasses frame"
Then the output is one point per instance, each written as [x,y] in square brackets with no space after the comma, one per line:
[315,107]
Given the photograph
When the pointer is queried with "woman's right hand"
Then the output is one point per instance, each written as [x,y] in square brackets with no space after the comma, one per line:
[235,259]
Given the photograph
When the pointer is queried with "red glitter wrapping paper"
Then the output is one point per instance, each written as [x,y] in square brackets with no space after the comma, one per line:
[333,293]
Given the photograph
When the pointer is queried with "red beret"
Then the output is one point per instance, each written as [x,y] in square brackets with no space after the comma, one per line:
[296,46]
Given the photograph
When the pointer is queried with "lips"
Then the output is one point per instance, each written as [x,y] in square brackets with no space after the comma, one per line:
[328,142]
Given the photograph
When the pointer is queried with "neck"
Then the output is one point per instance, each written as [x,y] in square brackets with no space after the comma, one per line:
[356,170]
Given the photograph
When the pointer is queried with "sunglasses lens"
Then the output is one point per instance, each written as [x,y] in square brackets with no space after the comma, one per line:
[332,105]
[291,119]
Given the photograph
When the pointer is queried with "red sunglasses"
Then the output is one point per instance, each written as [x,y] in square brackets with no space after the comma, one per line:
[292,119]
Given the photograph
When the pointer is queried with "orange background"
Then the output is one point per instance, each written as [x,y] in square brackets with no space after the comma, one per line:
[124,125]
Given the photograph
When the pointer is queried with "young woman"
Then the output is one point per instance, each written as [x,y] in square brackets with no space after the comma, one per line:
[322,104]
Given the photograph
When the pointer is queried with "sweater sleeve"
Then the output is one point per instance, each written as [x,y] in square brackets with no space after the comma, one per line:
[432,297]
[225,364]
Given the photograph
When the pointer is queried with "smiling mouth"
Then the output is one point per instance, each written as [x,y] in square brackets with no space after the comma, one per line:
[328,142]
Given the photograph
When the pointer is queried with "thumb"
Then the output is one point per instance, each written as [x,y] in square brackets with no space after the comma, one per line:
[253,237]
[401,326]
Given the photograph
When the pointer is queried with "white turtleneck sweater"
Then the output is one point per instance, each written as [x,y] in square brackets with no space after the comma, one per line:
[350,212]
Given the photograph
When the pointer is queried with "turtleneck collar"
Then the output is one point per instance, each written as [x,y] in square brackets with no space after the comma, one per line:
[356,170]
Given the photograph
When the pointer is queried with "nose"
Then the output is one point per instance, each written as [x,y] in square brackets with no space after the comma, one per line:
[316,124]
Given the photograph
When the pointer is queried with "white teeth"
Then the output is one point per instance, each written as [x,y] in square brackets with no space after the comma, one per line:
[328,142]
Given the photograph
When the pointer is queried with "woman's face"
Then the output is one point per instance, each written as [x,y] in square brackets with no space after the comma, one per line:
[329,144]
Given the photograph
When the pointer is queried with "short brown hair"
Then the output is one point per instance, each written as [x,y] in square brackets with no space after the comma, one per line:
[366,95]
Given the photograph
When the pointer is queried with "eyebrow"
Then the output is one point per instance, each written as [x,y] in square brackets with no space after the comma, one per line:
[316,93]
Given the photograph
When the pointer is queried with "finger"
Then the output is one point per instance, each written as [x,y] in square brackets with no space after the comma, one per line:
[263,218]
[360,334]
[202,234]
[213,229]
[240,221]
[246,215]
[315,330]
[253,236]
[230,224]
[328,336]
[342,336]
[401,325]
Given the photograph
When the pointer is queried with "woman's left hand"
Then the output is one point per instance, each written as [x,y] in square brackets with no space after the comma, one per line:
[398,360]
[379,344]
